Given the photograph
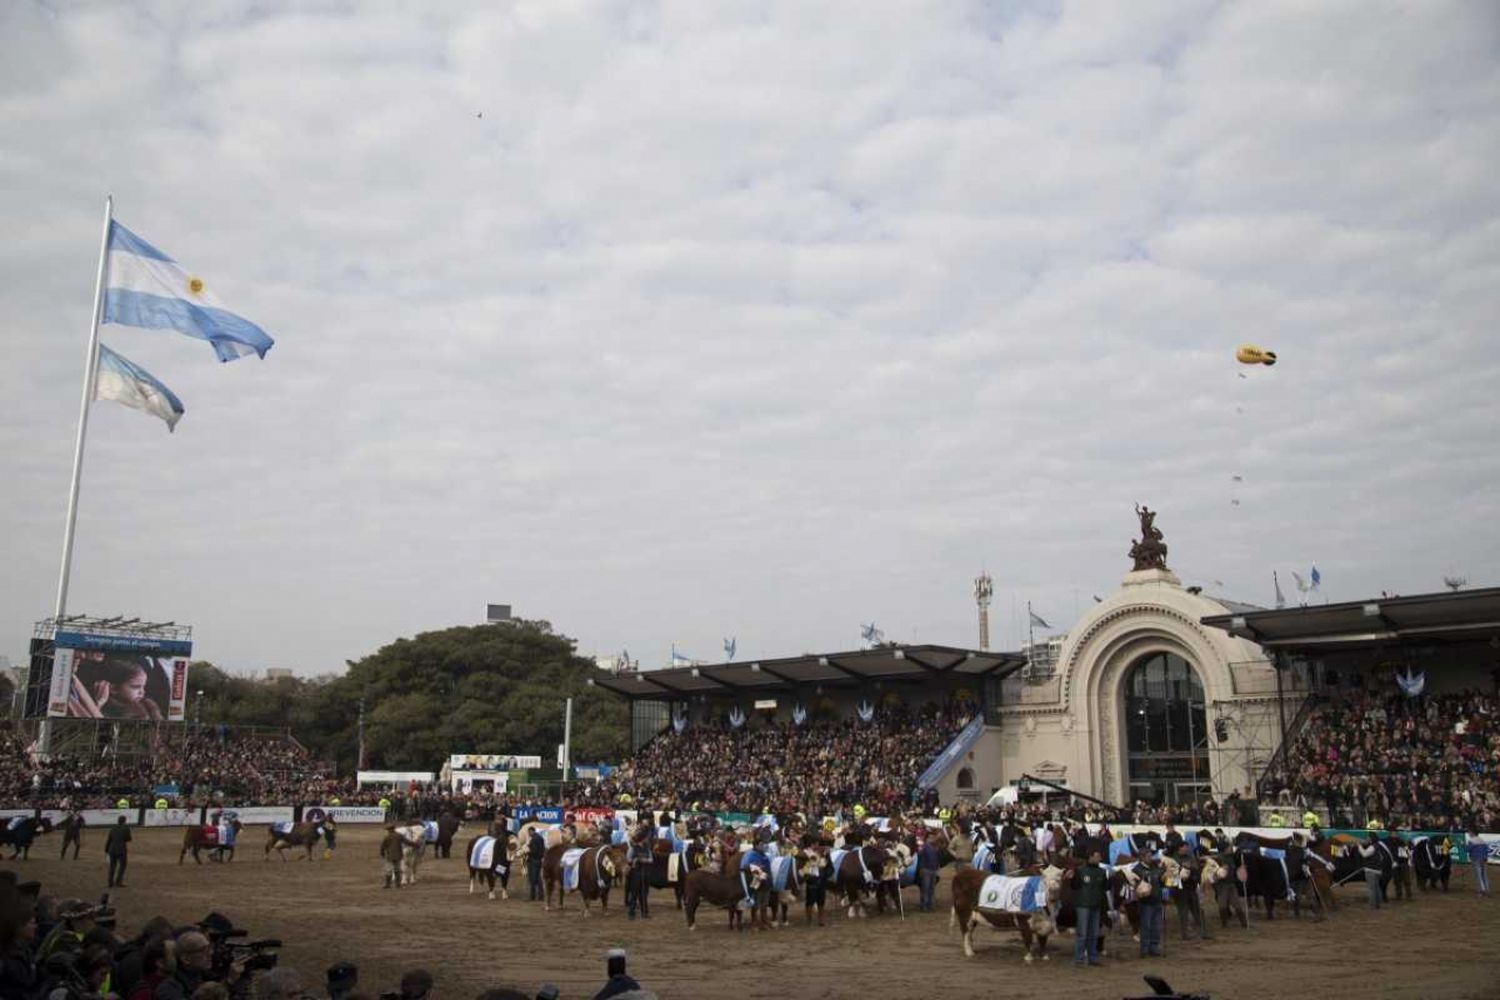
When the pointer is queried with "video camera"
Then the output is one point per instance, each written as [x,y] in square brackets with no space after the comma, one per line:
[258,955]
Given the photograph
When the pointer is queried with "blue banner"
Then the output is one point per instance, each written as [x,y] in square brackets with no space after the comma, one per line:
[962,744]
[542,814]
[124,643]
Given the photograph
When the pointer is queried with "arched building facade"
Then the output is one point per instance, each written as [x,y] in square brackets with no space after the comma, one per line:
[1146,703]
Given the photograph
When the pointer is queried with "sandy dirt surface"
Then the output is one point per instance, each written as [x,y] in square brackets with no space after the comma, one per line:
[1437,948]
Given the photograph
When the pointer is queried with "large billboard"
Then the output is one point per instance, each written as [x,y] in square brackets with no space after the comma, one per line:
[118,677]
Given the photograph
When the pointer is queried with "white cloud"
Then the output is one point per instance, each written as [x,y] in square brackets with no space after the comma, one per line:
[668,322]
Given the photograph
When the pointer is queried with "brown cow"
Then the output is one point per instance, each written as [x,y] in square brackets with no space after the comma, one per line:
[599,868]
[1035,927]
[721,886]
[883,868]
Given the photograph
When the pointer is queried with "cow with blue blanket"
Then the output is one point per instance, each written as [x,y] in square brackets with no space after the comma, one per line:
[673,857]
[490,857]
[1025,903]
[589,871]
[867,870]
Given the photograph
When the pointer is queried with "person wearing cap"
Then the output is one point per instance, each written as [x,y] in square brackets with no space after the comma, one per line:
[72,831]
[341,980]
[416,985]
[117,849]
[619,981]
[75,919]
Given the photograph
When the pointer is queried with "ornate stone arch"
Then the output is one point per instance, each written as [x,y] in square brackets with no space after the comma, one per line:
[1096,662]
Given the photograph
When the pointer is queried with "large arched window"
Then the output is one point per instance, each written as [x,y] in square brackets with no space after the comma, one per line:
[1166,731]
[965,779]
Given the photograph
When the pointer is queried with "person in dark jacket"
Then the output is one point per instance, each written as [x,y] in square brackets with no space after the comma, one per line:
[1149,873]
[928,863]
[1090,886]
[536,850]
[72,831]
[194,958]
[1189,908]
[117,848]
[638,888]
[619,982]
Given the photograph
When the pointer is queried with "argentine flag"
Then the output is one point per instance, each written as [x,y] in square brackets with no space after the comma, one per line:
[146,288]
[124,381]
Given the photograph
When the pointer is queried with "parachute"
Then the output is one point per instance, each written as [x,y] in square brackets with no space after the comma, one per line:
[1249,354]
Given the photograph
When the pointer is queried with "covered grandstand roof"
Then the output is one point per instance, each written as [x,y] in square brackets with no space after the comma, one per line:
[887,663]
[1445,617]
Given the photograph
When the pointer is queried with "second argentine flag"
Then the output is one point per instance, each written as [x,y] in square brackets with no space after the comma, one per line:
[147,288]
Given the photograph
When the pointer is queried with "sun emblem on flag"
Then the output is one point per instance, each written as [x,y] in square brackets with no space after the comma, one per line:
[195,285]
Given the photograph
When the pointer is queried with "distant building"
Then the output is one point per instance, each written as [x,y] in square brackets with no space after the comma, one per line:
[1043,656]
[277,673]
[497,613]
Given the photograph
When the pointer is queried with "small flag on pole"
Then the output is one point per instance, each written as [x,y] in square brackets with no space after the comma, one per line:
[146,288]
[729,647]
[1315,577]
[123,381]
[1301,583]
[1280,598]
[1037,620]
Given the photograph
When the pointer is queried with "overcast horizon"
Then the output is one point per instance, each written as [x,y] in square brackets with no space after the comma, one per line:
[674,322]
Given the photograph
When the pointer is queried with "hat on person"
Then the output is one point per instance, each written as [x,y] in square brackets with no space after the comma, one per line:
[416,983]
[217,925]
[74,909]
[342,976]
[615,961]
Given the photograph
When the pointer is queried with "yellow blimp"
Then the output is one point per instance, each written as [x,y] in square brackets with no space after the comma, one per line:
[1249,354]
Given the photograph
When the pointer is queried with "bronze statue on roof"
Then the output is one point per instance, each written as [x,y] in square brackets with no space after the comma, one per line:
[1150,552]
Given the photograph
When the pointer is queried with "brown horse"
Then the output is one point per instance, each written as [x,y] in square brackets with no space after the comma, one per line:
[721,887]
[196,838]
[599,868]
[304,835]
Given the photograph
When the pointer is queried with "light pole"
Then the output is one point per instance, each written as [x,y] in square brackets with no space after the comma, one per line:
[198,709]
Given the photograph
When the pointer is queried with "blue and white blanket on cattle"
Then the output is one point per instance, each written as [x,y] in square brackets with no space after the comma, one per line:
[836,858]
[983,855]
[430,831]
[570,861]
[281,829]
[1004,894]
[484,857]
[226,834]
[909,873]
[781,872]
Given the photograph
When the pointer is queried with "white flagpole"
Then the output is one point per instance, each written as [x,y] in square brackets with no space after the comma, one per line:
[90,371]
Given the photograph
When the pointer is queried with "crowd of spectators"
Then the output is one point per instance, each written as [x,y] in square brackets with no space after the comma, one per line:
[817,768]
[1370,752]
[69,949]
[214,762]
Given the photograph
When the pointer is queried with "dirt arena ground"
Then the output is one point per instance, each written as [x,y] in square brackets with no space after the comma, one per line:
[1438,948]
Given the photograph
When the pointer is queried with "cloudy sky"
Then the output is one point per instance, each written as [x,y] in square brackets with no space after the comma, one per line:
[673,321]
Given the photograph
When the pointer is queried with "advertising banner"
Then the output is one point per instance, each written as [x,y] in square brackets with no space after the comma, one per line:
[592,814]
[174,817]
[542,814]
[344,814]
[465,781]
[257,814]
[112,678]
[491,762]
[108,817]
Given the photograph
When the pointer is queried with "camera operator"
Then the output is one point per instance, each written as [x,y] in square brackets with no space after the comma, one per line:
[195,966]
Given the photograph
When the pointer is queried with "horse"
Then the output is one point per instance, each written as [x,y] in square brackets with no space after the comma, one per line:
[1430,860]
[504,854]
[447,826]
[599,868]
[21,832]
[720,886]
[196,838]
[1035,928]
[304,835]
